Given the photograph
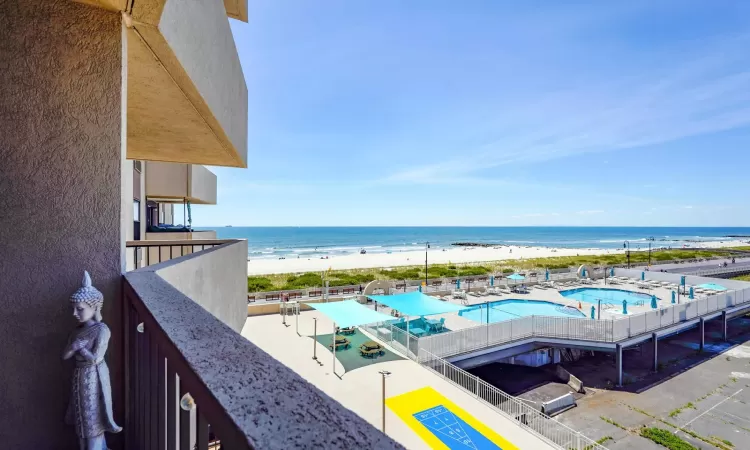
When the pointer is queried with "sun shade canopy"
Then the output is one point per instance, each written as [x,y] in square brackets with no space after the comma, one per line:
[516,276]
[416,304]
[349,313]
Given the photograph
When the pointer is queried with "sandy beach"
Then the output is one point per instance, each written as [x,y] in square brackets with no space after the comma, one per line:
[437,256]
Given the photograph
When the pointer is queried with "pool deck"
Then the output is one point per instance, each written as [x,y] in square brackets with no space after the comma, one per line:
[360,389]
[455,322]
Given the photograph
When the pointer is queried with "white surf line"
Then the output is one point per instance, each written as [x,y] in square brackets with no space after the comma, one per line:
[704,412]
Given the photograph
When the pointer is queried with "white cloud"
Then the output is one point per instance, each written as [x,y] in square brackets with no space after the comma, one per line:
[678,99]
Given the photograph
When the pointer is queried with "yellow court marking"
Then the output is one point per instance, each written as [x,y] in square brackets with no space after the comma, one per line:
[429,400]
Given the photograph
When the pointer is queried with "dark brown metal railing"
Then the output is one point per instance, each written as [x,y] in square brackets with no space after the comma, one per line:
[157,377]
[243,398]
[146,253]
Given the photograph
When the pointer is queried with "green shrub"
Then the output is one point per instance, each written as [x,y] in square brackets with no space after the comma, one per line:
[475,270]
[666,439]
[402,274]
[507,270]
[350,279]
[303,281]
[441,272]
[258,284]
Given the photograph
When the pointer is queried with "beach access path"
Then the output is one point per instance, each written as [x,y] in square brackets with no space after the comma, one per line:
[460,255]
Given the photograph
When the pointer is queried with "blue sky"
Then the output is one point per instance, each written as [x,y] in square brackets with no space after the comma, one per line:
[492,113]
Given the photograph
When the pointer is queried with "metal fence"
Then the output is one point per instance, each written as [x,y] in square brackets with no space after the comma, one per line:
[404,342]
[540,424]
[582,329]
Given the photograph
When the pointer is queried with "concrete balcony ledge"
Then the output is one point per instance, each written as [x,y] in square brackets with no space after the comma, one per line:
[177,183]
[245,394]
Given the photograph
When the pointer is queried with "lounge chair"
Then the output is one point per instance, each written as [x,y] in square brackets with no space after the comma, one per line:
[347,331]
[341,342]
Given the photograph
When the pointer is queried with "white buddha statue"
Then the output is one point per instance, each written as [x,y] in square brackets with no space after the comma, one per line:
[90,408]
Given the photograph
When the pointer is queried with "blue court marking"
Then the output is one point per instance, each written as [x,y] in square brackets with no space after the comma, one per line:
[452,431]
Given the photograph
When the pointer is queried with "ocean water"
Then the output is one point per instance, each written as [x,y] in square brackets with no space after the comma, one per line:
[314,242]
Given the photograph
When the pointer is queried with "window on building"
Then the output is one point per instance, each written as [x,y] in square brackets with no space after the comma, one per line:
[136,220]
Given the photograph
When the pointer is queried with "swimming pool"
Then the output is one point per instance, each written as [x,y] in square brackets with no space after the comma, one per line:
[607,296]
[515,308]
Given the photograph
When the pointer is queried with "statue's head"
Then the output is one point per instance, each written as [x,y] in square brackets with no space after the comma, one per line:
[87,301]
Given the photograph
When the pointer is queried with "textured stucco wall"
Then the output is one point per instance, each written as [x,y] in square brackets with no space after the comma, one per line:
[214,279]
[60,148]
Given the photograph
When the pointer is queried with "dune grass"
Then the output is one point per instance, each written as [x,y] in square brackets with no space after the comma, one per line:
[286,281]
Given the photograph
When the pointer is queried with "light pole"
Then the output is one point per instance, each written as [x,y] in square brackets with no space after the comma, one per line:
[384,373]
[627,253]
[427,246]
[315,338]
[649,254]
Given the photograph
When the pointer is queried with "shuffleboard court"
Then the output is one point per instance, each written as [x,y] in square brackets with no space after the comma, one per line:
[442,424]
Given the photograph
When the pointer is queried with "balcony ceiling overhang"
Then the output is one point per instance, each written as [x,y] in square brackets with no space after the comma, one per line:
[186,96]
[186,93]
[236,9]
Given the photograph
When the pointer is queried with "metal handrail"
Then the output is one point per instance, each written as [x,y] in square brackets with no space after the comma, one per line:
[583,329]
[538,423]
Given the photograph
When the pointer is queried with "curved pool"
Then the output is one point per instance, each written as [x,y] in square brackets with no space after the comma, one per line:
[512,309]
[607,296]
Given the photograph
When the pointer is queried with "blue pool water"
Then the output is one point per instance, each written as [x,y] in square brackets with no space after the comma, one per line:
[513,309]
[607,296]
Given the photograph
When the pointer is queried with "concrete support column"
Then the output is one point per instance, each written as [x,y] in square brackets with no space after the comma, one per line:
[703,333]
[618,363]
[63,130]
[724,336]
[656,351]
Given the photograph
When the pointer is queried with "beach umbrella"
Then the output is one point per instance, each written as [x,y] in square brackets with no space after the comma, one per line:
[612,272]
[492,280]
[583,273]
[682,280]
[691,293]
[546,274]
[420,288]
[653,302]
[673,296]
[624,306]
[593,312]
[516,277]
[643,276]
[458,284]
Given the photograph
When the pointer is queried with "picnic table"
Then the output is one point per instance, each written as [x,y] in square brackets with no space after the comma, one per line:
[371,349]
[417,331]
[434,323]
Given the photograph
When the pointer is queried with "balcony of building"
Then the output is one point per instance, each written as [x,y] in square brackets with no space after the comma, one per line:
[186,94]
[180,183]
[191,381]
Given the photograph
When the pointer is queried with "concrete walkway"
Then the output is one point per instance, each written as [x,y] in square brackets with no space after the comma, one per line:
[360,390]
